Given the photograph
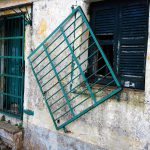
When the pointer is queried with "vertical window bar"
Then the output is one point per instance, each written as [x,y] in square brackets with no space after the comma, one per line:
[62,87]
[75,59]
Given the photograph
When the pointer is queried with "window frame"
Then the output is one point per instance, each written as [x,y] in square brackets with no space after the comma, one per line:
[18,115]
[116,46]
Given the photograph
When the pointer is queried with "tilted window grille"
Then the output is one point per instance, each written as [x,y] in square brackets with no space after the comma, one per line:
[60,64]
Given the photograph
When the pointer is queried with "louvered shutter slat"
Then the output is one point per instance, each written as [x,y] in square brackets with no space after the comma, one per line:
[133,36]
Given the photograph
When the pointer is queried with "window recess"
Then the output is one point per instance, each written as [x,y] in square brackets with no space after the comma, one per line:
[121,28]
[11,65]
[60,66]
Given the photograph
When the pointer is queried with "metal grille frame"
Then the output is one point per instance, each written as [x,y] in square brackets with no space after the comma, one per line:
[67,102]
[14,58]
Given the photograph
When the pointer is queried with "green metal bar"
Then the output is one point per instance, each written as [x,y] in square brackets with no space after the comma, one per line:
[61,43]
[88,88]
[56,65]
[77,75]
[72,62]
[53,32]
[58,72]
[25,18]
[11,95]
[58,46]
[67,36]
[63,90]
[11,76]
[71,42]
[84,70]
[55,39]
[11,38]
[14,17]
[59,62]
[88,109]
[100,89]
[23,64]
[100,49]
[11,57]
[72,23]
[5,112]
[37,56]
[62,115]
[64,68]
[80,93]
[75,59]
[23,13]
[43,68]
[74,88]
[43,95]
[81,102]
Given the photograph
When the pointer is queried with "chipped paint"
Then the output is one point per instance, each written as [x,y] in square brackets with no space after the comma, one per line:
[148,57]
[42,27]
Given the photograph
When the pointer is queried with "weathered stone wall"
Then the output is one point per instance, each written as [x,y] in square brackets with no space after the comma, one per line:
[113,125]
[147,87]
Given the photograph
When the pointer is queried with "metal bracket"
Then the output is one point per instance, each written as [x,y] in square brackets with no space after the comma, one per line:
[28,112]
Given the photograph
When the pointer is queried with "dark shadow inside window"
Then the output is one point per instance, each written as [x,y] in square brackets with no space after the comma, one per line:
[106,42]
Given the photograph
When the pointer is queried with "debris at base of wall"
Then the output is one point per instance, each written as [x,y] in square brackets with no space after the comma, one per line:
[11,136]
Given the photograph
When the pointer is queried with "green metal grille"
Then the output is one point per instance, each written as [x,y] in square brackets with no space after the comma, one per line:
[60,65]
[12,65]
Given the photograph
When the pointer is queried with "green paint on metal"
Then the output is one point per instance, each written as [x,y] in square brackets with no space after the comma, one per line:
[28,112]
[60,65]
[72,63]
[12,65]
[59,80]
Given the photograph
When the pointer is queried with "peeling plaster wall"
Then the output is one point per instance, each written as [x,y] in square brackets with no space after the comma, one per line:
[113,125]
[147,78]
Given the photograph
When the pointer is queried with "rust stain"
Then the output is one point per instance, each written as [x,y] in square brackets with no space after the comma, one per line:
[9,3]
[42,27]
[19,0]
[148,57]
[7,12]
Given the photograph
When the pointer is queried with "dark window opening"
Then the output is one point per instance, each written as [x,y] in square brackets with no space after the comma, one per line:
[106,42]
[11,64]
[105,37]
[108,50]
[121,28]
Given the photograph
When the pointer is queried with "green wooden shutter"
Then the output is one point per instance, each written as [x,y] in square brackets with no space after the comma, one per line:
[127,21]
[103,20]
[133,36]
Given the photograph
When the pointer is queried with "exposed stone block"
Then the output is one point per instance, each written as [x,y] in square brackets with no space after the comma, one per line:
[11,135]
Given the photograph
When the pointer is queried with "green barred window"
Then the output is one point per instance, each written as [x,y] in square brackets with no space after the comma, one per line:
[121,28]
[60,65]
[12,65]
